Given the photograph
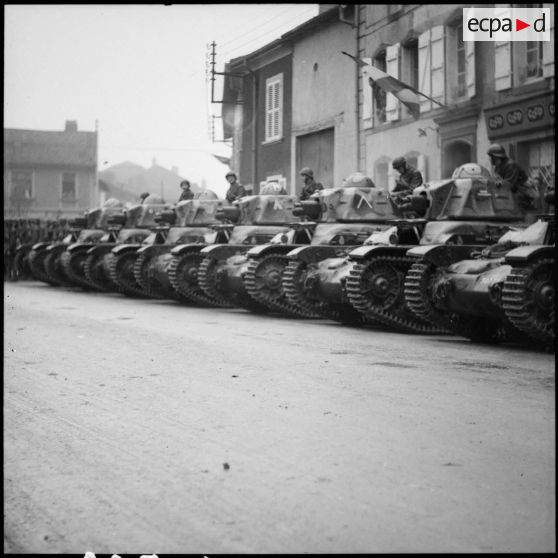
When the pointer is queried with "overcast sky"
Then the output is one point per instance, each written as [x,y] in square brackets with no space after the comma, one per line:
[139,70]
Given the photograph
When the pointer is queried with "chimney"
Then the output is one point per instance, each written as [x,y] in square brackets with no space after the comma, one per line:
[71,126]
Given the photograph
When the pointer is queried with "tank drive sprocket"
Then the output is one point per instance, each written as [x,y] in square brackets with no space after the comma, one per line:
[206,280]
[263,282]
[93,274]
[141,275]
[122,274]
[528,298]
[376,288]
[36,260]
[74,267]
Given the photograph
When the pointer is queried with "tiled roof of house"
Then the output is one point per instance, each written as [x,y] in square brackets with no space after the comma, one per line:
[36,147]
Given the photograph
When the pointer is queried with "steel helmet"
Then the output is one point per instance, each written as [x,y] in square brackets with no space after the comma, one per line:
[358,180]
[272,188]
[398,162]
[471,170]
[113,202]
[496,150]
[230,173]
[206,195]
[307,172]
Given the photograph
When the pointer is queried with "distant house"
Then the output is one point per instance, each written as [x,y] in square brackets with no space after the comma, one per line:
[129,179]
[49,173]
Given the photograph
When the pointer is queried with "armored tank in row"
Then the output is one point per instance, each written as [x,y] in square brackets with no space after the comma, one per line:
[468,209]
[503,292]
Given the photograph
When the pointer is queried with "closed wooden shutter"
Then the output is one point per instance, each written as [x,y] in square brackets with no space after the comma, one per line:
[437,46]
[470,67]
[366,91]
[393,107]
[425,65]
[273,109]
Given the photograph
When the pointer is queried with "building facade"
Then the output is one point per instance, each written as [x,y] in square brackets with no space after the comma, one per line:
[489,92]
[49,173]
[292,104]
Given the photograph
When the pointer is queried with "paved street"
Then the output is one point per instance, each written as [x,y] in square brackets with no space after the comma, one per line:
[144,426]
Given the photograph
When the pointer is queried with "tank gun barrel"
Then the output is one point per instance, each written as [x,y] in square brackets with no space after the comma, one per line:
[308,208]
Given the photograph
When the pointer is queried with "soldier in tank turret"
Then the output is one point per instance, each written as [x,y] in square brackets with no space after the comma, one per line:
[310,185]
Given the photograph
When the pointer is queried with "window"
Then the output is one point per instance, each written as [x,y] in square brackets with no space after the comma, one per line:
[461,66]
[274,108]
[432,67]
[22,185]
[68,186]
[534,59]
[409,68]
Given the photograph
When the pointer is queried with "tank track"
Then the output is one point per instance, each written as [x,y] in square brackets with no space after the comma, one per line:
[92,279]
[125,285]
[68,260]
[53,270]
[214,297]
[187,290]
[521,311]
[393,312]
[417,283]
[297,299]
[274,299]
[141,275]
[36,261]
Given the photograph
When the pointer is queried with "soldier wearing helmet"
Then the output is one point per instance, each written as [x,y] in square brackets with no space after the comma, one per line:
[187,193]
[236,190]
[310,185]
[511,174]
[409,177]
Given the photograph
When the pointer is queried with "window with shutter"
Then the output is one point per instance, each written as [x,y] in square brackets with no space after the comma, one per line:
[438,64]
[392,68]
[502,65]
[274,108]
[470,68]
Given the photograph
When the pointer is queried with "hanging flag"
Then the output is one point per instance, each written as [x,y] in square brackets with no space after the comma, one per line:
[406,94]
[221,159]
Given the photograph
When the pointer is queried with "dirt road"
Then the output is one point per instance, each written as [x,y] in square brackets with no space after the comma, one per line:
[142,426]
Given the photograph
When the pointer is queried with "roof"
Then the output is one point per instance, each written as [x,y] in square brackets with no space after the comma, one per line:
[36,147]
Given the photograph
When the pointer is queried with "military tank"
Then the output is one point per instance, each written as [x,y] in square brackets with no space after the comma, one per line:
[504,292]
[257,220]
[169,270]
[281,275]
[108,266]
[468,209]
[39,252]
[64,261]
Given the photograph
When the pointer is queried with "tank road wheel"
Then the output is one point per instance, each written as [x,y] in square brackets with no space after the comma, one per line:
[183,274]
[293,286]
[122,274]
[95,274]
[74,267]
[207,280]
[420,282]
[528,300]
[36,261]
[141,276]
[263,282]
[55,270]
[376,289]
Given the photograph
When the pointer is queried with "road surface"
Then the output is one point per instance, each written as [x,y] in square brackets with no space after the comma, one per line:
[145,426]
